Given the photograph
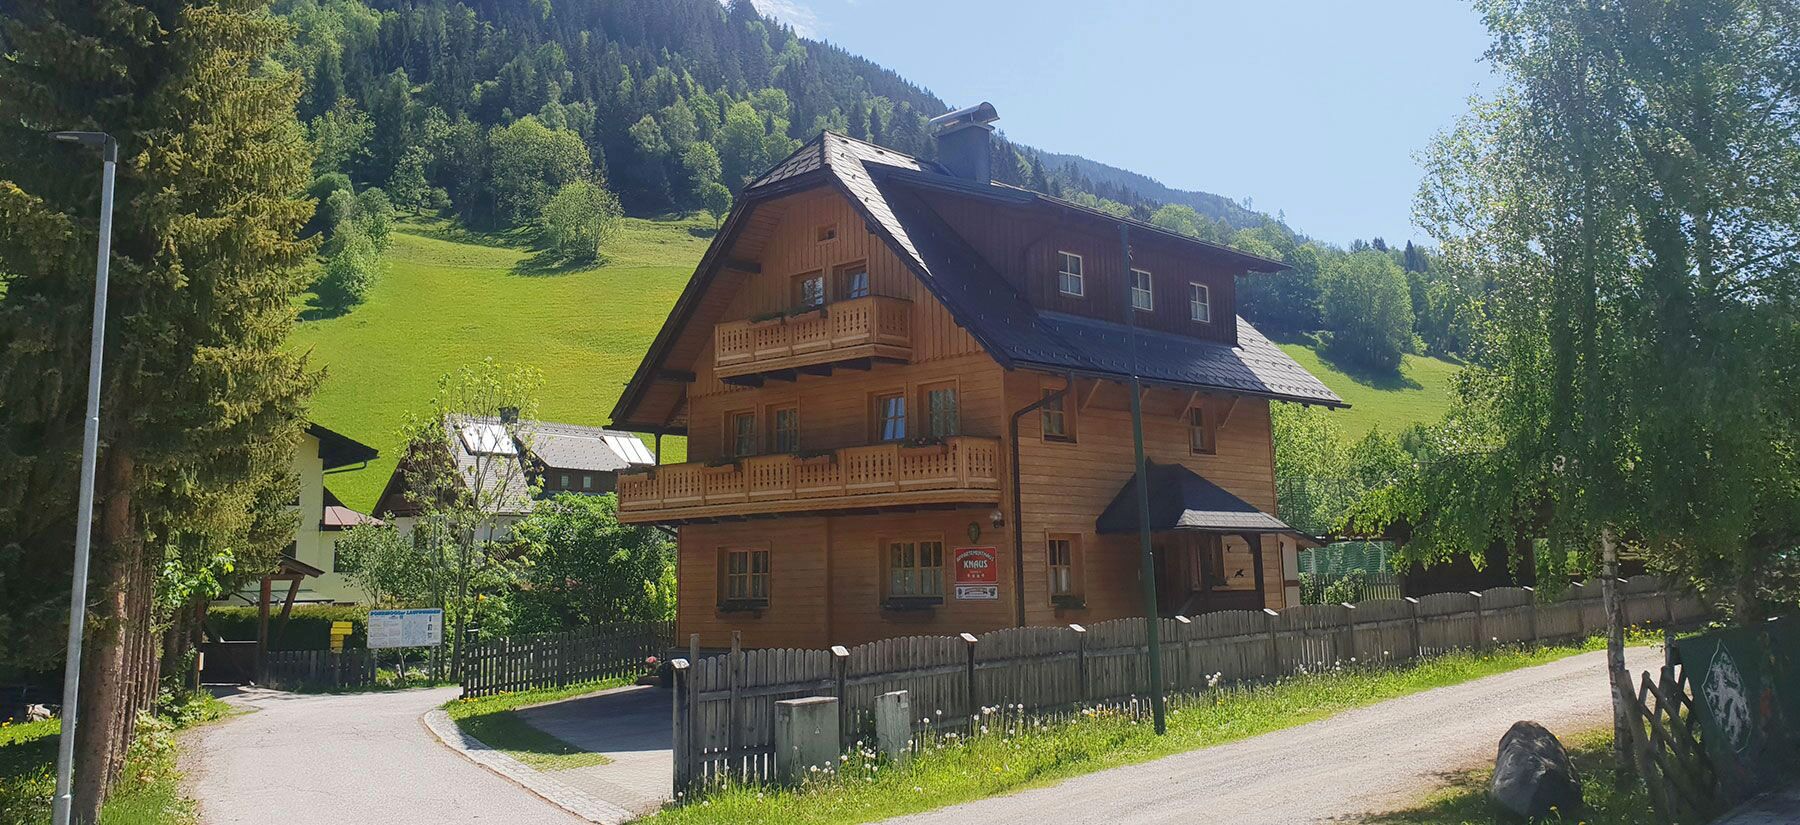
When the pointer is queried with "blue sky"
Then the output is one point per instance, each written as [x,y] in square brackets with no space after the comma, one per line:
[1309,107]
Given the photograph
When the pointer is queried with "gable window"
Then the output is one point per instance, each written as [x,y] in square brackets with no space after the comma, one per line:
[1062,552]
[942,418]
[746,579]
[1141,297]
[1200,303]
[890,416]
[784,429]
[1056,417]
[853,281]
[915,569]
[809,290]
[587,481]
[740,434]
[1202,440]
[1069,278]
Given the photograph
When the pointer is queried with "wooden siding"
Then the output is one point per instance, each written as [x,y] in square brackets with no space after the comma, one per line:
[1022,243]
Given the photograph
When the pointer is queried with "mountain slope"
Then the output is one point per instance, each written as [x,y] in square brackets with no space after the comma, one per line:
[1216,207]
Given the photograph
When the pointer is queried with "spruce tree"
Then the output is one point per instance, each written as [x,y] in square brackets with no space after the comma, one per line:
[201,405]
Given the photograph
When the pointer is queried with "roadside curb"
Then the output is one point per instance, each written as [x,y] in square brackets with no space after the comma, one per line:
[538,782]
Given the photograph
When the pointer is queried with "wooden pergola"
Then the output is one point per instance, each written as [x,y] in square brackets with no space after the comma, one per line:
[292,571]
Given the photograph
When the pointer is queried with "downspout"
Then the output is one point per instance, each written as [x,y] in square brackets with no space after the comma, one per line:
[1018,506]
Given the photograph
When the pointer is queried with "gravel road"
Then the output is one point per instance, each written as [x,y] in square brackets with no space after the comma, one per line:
[1376,759]
[358,758]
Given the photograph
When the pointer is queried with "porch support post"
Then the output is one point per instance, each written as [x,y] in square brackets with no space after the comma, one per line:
[1256,564]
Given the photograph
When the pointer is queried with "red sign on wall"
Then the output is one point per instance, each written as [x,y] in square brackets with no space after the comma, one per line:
[977,576]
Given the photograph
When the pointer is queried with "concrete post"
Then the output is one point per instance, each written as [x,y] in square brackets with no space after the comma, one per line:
[893,726]
[806,737]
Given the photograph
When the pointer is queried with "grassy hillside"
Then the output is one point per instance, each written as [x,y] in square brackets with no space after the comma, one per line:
[1419,394]
[448,298]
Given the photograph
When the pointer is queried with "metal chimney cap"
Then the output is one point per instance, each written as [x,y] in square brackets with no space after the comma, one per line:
[981,114]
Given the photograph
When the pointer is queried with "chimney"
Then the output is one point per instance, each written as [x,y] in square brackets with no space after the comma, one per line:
[962,141]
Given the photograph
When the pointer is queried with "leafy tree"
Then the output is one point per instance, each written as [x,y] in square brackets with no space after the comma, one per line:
[340,137]
[580,219]
[350,268]
[464,510]
[717,199]
[700,162]
[530,162]
[396,570]
[375,216]
[586,569]
[201,394]
[1368,310]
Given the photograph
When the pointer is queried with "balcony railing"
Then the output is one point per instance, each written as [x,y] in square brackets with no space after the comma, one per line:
[875,326]
[963,469]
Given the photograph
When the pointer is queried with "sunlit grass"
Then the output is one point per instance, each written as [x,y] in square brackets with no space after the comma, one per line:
[1017,754]
[1419,393]
[447,298]
[494,721]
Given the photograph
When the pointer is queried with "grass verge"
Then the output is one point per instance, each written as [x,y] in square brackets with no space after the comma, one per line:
[1017,755]
[494,721]
[1465,801]
[150,793]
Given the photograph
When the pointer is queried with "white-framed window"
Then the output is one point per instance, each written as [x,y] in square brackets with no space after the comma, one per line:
[916,569]
[1141,294]
[587,481]
[1068,277]
[1199,303]
[563,481]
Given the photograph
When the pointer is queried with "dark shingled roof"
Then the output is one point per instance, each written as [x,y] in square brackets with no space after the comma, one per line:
[882,185]
[339,450]
[1181,500]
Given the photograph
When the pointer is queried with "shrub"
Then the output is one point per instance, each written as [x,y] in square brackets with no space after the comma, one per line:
[579,220]
[308,627]
[350,270]
[1347,589]
[375,215]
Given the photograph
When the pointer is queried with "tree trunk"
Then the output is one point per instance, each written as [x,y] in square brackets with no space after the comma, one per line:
[98,757]
[1615,654]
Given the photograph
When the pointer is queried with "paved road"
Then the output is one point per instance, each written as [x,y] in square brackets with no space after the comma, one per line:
[360,758]
[629,725]
[1373,760]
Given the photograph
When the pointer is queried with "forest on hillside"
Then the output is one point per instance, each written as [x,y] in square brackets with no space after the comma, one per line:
[560,115]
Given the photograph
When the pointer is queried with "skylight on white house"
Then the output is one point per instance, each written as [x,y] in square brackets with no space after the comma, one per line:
[487,439]
[631,449]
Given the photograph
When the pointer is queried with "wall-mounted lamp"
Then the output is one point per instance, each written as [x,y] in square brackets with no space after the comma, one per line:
[997,518]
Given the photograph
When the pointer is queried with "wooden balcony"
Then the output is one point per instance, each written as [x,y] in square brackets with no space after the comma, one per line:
[962,470]
[857,330]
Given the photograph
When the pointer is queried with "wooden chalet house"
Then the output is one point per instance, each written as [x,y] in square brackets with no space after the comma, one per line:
[904,389]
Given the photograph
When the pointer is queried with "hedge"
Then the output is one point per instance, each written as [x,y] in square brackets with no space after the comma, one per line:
[308,627]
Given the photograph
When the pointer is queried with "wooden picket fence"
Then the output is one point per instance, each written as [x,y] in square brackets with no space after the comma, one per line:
[549,660]
[724,705]
[313,670]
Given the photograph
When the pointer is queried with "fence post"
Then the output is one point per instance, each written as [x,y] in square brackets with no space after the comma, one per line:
[733,737]
[1185,647]
[1081,674]
[1348,646]
[974,711]
[1418,644]
[841,662]
[681,741]
[1274,671]
[1480,622]
[1579,596]
[1532,618]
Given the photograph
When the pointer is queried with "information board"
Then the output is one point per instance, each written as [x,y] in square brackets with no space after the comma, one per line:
[406,628]
[977,575]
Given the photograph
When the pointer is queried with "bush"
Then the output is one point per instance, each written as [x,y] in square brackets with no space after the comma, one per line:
[1368,310]
[1347,589]
[375,215]
[579,220]
[308,627]
[350,270]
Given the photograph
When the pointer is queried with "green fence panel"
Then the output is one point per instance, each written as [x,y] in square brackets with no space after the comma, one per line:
[1745,686]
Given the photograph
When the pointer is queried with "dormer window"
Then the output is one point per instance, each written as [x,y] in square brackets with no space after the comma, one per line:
[1141,297]
[1069,280]
[1199,303]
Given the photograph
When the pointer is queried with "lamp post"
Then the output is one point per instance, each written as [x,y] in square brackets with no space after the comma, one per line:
[62,806]
[1146,557]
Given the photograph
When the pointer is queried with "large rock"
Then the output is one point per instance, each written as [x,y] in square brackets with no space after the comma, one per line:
[1533,775]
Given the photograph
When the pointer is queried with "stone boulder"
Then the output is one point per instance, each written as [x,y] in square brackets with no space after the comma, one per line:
[1533,774]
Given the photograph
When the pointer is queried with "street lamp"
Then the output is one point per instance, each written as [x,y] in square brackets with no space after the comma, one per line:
[90,448]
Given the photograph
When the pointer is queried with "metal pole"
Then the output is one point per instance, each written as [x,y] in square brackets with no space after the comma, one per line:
[1146,558]
[84,514]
